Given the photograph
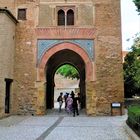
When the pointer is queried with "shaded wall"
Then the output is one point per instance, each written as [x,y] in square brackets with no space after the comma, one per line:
[7,47]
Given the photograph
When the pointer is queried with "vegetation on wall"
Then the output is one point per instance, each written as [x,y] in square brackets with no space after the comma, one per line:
[68,71]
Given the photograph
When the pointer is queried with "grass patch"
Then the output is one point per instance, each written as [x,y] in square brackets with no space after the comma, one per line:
[134,110]
[134,118]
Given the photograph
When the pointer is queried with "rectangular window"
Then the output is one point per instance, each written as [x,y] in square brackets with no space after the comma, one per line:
[21,14]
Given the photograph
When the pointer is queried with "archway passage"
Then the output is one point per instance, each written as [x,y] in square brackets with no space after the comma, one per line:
[58,59]
[66,80]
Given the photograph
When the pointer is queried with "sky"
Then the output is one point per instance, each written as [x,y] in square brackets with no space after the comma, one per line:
[130,23]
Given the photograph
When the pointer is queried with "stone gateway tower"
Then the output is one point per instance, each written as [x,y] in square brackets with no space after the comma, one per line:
[46,34]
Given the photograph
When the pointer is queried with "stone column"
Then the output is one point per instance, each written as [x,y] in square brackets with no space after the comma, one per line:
[90,98]
[41,98]
[108,56]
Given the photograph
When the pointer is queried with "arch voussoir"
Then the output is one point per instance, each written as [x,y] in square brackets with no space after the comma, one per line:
[70,46]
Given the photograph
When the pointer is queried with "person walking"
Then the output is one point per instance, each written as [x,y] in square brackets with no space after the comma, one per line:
[69,102]
[60,100]
[74,104]
[79,101]
[65,99]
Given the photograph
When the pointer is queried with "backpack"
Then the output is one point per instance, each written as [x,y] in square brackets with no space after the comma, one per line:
[58,99]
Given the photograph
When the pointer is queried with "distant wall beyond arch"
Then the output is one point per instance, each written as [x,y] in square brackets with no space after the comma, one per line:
[70,46]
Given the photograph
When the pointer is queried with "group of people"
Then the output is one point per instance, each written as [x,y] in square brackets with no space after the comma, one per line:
[72,102]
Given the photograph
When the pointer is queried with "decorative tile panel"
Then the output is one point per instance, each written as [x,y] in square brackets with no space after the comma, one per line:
[45,45]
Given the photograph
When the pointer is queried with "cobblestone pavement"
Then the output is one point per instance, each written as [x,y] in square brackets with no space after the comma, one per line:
[63,127]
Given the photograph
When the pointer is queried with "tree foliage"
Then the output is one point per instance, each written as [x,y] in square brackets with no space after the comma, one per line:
[132,70]
[137,3]
[131,66]
[68,71]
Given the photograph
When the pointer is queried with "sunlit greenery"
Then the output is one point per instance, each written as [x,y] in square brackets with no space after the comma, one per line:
[131,66]
[68,71]
[132,70]
[134,118]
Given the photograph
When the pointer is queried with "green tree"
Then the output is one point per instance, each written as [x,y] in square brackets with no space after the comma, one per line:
[137,3]
[132,70]
[131,66]
[68,71]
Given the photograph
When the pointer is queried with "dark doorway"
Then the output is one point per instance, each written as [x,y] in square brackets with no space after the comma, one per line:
[7,94]
[58,59]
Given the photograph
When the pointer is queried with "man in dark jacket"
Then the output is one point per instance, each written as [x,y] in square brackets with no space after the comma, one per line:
[74,104]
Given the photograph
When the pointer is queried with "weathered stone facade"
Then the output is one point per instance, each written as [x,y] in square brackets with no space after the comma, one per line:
[7,48]
[94,41]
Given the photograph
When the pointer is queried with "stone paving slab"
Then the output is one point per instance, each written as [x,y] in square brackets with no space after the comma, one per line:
[90,128]
[63,128]
[21,133]
[9,121]
[28,128]
[84,133]
[55,112]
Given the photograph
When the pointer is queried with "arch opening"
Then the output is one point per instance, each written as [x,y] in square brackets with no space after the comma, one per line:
[66,80]
[70,17]
[61,17]
[58,59]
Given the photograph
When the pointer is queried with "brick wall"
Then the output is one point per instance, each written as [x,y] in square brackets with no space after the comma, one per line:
[108,59]
[25,60]
[104,16]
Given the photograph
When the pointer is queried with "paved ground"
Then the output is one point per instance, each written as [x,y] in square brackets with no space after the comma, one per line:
[63,127]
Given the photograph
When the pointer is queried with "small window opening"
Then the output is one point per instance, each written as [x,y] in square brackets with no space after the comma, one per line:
[70,17]
[21,14]
[61,17]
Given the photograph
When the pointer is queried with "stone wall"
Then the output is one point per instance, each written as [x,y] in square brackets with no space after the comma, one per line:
[62,83]
[10,4]
[45,16]
[104,16]
[108,60]
[25,98]
[84,12]
[7,46]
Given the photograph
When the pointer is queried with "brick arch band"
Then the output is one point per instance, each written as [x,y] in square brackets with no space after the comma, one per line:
[63,46]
